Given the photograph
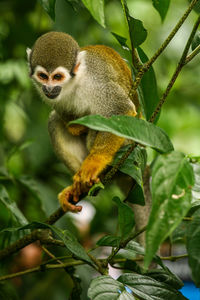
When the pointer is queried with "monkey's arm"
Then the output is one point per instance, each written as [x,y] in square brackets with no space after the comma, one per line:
[101,155]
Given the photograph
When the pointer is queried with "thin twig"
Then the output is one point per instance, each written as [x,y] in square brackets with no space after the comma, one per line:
[43,268]
[51,255]
[80,262]
[149,63]
[192,54]
[176,72]
[124,243]
[172,34]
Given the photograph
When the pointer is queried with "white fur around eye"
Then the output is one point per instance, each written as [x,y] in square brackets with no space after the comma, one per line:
[63,71]
[39,69]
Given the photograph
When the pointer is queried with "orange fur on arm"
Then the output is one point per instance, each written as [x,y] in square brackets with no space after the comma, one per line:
[77,129]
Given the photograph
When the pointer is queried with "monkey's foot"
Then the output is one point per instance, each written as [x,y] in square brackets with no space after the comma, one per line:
[84,179]
[64,197]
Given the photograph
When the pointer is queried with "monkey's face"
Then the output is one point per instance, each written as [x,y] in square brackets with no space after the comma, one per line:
[50,84]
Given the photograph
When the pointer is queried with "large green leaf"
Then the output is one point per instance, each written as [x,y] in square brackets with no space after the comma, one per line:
[106,288]
[12,206]
[137,32]
[49,7]
[193,248]
[96,8]
[149,88]
[172,179]
[125,218]
[148,288]
[129,127]
[162,7]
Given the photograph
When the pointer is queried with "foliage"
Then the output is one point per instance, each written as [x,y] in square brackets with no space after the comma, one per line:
[31,177]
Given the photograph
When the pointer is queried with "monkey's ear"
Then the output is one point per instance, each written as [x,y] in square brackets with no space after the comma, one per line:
[28,53]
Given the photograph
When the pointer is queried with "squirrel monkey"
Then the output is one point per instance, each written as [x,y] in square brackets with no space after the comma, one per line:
[76,82]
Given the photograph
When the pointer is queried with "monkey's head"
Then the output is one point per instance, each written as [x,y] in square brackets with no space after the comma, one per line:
[52,63]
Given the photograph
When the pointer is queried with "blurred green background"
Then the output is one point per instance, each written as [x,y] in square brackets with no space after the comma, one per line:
[28,167]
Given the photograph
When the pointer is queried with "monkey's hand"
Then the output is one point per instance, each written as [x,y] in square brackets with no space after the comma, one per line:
[64,197]
[77,129]
[101,154]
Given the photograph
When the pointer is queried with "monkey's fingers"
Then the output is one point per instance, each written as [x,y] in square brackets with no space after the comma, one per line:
[64,196]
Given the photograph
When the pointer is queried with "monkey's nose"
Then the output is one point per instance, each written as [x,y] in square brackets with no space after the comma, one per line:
[51,91]
[47,88]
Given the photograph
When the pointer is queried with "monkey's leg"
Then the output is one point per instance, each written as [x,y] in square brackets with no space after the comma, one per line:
[104,148]
[71,150]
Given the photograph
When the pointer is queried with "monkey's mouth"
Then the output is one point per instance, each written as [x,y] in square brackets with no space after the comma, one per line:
[52,96]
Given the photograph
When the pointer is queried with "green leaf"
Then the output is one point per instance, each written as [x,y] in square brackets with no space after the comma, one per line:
[193,248]
[4,173]
[18,148]
[135,163]
[196,41]
[96,187]
[125,217]
[131,128]
[162,7]
[196,187]
[172,179]
[166,276]
[149,88]
[72,244]
[179,234]
[109,240]
[135,247]
[147,288]
[137,32]
[122,40]
[136,195]
[49,7]
[66,236]
[134,166]
[106,288]
[74,3]
[96,8]
[12,206]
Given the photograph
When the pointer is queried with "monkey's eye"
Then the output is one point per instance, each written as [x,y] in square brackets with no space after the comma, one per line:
[42,76]
[57,76]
